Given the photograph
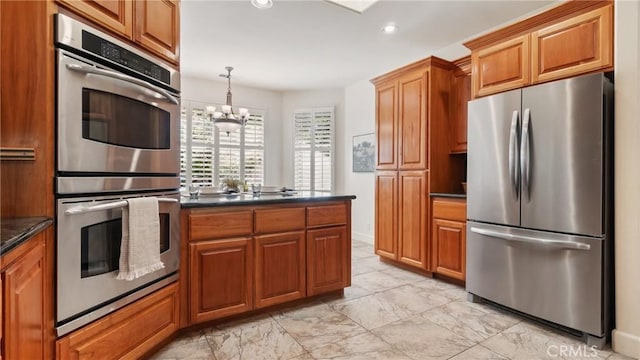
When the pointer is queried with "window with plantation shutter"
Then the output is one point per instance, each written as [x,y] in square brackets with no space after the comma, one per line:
[313,149]
[208,156]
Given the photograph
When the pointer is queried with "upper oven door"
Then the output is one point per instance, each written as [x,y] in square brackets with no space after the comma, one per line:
[111,122]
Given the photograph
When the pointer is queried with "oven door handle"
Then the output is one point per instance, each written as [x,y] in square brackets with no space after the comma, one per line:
[112,74]
[108,206]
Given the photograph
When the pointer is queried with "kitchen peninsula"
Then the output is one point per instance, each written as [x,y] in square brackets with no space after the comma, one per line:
[241,253]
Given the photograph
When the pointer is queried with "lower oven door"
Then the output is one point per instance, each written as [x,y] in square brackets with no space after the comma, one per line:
[88,251]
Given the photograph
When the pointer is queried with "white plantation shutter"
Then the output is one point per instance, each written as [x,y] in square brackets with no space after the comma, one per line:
[313,149]
[208,156]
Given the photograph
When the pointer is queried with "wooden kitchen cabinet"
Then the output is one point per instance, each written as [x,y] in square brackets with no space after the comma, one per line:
[412,119]
[460,96]
[157,27]
[280,273]
[386,214]
[152,24]
[328,248]
[449,233]
[573,38]
[24,303]
[501,67]
[575,46]
[387,125]
[115,15]
[412,240]
[128,333]
[220,278]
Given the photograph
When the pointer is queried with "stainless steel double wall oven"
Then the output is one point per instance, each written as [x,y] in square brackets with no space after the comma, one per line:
[117,138]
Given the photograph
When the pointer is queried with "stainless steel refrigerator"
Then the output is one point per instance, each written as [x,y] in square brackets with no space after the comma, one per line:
[539,212]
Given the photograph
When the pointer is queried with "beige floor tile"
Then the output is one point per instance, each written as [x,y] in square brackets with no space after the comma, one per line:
[350,293]
[472,322]
[478,352]
[616,356]
[194,350]
[421,339]
[376,281]
[528,341]
[261,340]
[317,325]
[365,346]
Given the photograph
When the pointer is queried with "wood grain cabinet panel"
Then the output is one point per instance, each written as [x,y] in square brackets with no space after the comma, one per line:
[115,15]
[574,46]
[501,67]
[221,278]
[280,268]
[327,260]
[412,121]
[279,220]
[449,234]
[24,304]
[386,211]
[327,215]
[461,94]
[214,225]
[128,333]
[386,125]
[157,27]
[412,238]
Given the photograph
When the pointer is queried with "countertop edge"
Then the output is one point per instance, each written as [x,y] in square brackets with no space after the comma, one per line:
[448,195]
[187,203]
[24,235]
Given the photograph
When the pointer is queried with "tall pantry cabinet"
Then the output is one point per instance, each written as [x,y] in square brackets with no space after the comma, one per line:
[412,105]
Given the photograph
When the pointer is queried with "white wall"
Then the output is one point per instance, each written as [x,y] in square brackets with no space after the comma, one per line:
[360,119]
[214,92]
[626,336]
[292,100]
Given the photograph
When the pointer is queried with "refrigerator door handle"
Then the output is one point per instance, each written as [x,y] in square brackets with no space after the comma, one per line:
[514,174]
[525,154]
[533,240]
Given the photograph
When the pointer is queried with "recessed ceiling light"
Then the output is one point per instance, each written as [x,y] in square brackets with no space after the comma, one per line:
[390,28]
[262,4]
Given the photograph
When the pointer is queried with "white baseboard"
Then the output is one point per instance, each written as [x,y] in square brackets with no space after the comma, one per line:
[626,344]
[368,238]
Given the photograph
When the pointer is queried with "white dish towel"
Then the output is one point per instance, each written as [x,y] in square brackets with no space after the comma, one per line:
[140,245]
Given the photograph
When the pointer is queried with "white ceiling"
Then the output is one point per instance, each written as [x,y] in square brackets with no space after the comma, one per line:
[313,44]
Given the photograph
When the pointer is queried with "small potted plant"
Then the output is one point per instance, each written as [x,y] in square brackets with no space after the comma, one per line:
[232,185]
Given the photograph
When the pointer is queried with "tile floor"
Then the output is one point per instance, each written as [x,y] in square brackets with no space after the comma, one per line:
[387,313]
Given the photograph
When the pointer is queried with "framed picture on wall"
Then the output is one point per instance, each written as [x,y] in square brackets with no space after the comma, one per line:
[364,152]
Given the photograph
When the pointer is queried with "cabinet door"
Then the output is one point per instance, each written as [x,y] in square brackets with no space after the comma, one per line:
[387,125]
[412,122]
[280,268]
[386,241]
[24,305]
[327,259]
[128,333]
[461,92]
[115,15]
[449,239]
[501,67]
[220,278]
[157,27]
[575,46]
[413,219]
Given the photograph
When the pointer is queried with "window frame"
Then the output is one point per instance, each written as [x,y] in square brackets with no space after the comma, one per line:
[217,148]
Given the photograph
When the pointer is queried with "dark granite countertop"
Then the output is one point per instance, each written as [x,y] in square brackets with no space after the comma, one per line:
[449,195]
[14,231]
[264,199]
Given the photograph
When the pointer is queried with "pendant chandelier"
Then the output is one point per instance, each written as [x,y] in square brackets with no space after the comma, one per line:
[227,120]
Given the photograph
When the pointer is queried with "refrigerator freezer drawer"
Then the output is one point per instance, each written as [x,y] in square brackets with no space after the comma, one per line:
[552,276]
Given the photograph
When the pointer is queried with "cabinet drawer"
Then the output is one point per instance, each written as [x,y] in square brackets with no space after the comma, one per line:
[575,46]
[327,215]
[279,220]
[451,209]
[128,333]
[220,224]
